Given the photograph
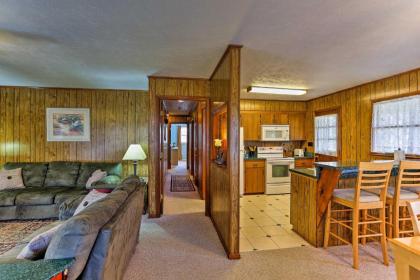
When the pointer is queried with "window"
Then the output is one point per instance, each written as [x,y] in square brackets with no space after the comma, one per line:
[183,134]
[326,134]
[396,124]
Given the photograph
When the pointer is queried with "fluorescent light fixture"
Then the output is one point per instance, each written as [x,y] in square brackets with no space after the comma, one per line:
[180,101]
[272,90]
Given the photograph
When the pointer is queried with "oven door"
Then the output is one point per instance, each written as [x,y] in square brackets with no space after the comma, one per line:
[278,171]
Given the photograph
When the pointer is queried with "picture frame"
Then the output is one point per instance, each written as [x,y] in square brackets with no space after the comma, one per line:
[68,124]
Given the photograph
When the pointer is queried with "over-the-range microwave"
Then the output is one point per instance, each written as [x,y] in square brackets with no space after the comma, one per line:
[275,133]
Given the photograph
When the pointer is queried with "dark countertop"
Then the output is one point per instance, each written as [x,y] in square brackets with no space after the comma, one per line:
[345,165]
[254,158]
[305,157]
[310,172]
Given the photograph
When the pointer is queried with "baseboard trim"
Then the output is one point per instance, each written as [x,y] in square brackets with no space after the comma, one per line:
[230,255]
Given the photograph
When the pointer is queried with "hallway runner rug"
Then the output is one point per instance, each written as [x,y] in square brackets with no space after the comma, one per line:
[181,183]
[14,232]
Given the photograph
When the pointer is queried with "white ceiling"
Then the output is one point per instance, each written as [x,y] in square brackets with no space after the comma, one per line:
[321,45]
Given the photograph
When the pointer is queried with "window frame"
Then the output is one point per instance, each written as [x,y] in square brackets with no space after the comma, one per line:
[330,111]
[389,98]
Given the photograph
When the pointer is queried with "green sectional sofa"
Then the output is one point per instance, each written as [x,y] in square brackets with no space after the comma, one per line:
[48,185]
[101,239]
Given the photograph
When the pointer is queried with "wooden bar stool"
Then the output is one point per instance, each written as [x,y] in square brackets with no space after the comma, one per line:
[414,209]
[406,190]
[371,177]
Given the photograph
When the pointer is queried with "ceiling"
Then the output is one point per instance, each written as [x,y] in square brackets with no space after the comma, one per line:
[321,45]
[182,107]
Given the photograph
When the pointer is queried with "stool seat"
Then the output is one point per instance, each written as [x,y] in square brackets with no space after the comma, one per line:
[348,194]
[404,194]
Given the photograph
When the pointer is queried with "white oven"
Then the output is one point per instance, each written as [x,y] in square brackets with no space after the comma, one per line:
[278,175]
[275,132]
[277,169]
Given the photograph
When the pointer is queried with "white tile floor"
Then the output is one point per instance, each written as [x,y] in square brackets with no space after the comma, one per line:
[265,223]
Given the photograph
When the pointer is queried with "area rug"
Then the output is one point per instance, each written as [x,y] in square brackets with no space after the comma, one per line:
[181,183]
[13,232]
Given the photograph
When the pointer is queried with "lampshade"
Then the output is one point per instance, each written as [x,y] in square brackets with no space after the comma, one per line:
[218,142]
[134,152]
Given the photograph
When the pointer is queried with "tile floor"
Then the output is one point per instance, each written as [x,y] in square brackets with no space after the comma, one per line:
[265,223]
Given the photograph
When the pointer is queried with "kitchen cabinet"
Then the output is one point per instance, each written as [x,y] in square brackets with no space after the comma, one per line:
[250,121]
[297,126]
[254,176]
[304,162]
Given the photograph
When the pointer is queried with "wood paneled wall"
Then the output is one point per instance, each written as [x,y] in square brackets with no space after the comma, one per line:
[356,111]
[117,120]
[272,105]
[178,87]
[224,180]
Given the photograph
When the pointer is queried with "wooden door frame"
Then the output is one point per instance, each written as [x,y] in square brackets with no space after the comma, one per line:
[330,111]
[155,195]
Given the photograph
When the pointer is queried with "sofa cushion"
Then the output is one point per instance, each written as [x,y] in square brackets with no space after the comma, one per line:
[7,197]
[37,196]
[33,174]
[76,237]
[62,174]
[68,207]
[87,168]
[67,194]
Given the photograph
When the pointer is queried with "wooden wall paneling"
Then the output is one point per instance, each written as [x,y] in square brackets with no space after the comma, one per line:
[22,124]
[356,108]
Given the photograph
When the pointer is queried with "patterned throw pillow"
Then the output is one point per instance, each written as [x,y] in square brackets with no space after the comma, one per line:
[89,199]
[95,177]
[11,179]
[38,245]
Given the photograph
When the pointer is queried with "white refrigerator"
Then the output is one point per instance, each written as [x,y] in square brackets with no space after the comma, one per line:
[241,161]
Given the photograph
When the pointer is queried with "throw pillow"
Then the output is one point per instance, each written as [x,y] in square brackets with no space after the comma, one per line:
[104,190]
[89,199]
[11,179]
[38,245]
[95,177]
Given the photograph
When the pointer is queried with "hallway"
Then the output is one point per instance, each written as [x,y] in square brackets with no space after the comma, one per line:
[175,203]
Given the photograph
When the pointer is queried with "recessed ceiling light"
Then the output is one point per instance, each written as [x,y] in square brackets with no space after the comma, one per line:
[273,90]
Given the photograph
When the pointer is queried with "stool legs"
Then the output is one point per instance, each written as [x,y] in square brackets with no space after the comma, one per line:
[355,238]
[364,226]
[327,225]
[383,236]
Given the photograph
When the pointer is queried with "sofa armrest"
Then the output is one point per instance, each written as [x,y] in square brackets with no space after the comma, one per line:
[68,207]
[108,182]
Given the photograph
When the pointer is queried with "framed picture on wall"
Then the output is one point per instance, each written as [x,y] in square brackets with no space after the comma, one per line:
[68,124]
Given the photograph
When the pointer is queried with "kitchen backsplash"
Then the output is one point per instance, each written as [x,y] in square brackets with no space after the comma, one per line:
[288,146]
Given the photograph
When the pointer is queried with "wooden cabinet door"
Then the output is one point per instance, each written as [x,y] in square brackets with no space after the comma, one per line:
[254,176]
[304,162]
[297,126]
[250,121]
[281,118]
[267,118]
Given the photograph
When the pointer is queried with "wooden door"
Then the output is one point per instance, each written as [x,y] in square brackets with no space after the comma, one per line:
[251,121]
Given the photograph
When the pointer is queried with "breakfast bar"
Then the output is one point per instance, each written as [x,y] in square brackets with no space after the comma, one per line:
[311,191]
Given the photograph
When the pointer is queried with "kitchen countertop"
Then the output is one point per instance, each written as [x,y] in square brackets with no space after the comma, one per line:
[254,158]
[310,172]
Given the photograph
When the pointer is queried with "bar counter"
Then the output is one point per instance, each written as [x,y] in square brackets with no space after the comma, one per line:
[311,191]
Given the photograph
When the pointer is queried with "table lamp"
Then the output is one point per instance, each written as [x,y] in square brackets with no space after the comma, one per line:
[134,153]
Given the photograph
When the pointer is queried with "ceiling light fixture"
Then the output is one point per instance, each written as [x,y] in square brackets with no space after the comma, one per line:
[180,101]
[272,90]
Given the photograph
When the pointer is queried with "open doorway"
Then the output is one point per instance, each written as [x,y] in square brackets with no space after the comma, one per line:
[185,125]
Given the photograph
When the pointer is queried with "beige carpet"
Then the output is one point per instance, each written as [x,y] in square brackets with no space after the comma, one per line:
[186,246]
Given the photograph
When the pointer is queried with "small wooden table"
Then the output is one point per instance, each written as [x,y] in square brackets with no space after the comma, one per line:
[407,257]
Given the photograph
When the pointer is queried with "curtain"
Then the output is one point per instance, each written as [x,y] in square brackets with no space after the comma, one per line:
[396,125]
[326,134]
